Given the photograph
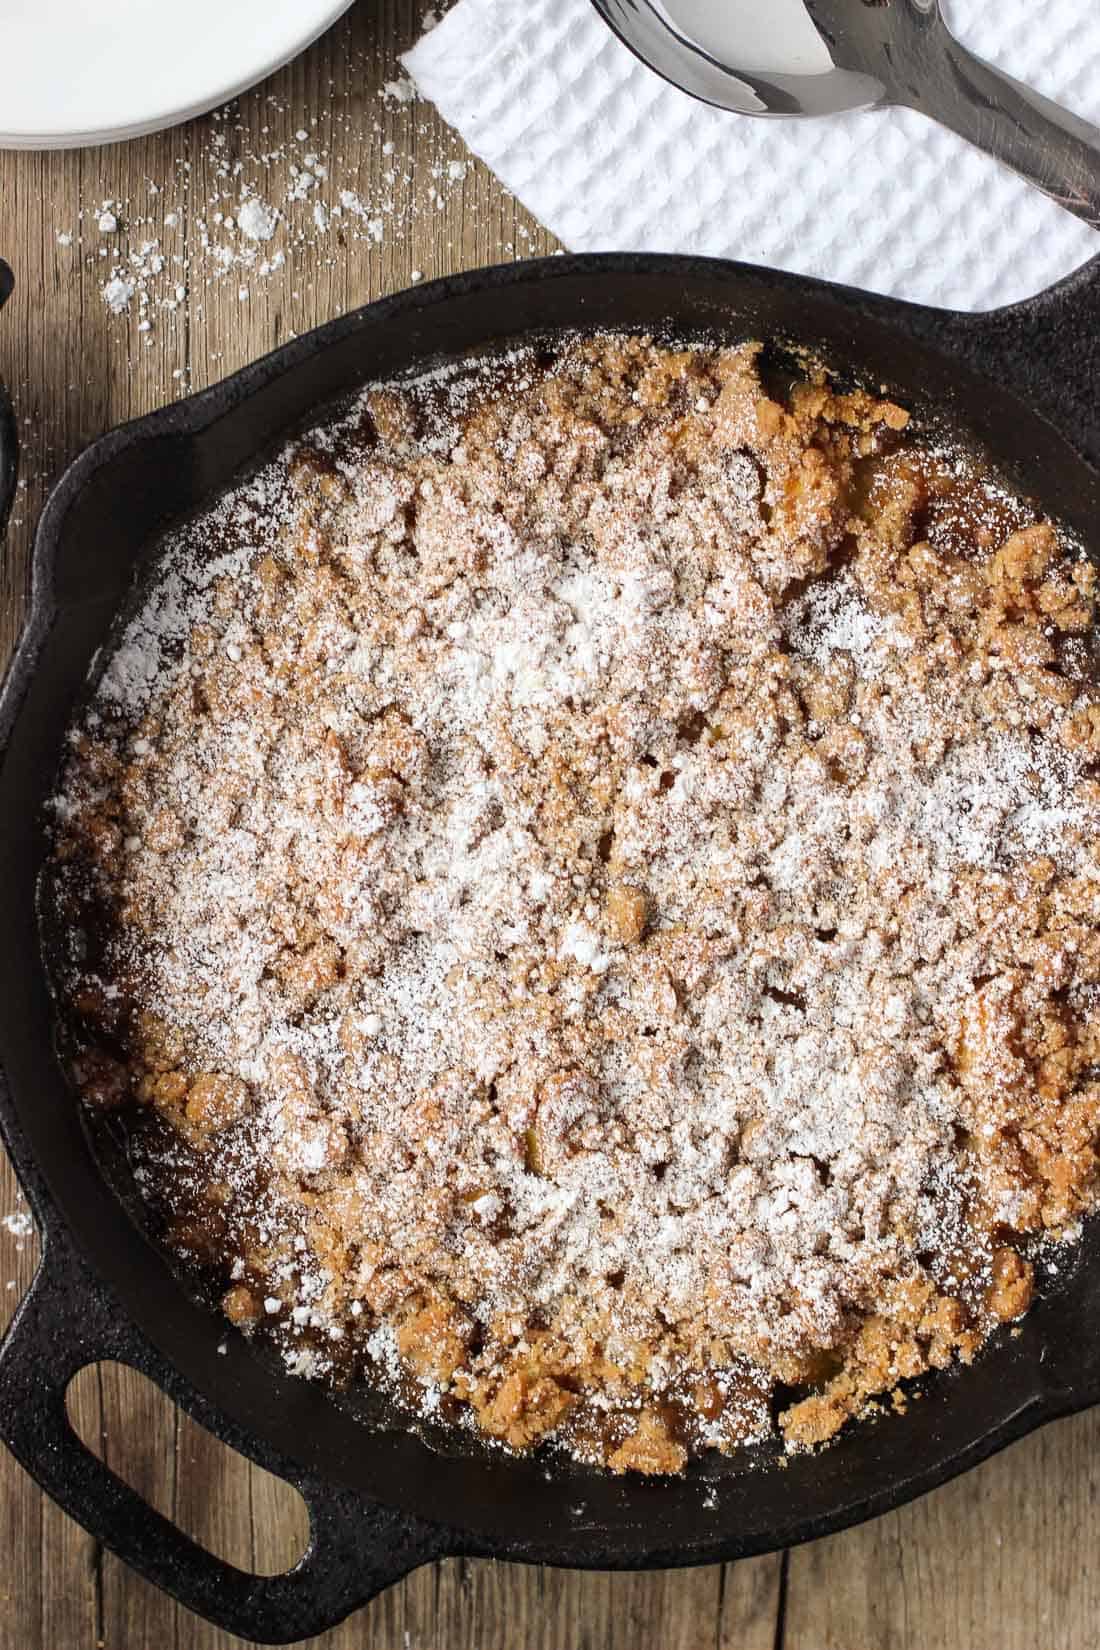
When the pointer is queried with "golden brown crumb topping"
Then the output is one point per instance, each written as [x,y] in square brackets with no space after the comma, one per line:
[582,884]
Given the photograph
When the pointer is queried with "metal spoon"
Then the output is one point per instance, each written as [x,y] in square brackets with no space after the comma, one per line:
[876,53]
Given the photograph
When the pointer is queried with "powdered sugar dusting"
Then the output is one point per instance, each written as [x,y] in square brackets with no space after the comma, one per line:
[830,618]
[588,905]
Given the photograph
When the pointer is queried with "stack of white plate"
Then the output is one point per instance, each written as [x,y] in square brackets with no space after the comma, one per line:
[95,71]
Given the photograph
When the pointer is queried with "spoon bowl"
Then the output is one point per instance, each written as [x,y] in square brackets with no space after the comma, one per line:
[740,71]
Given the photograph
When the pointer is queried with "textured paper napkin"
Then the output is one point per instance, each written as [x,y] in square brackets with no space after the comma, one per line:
[609,157]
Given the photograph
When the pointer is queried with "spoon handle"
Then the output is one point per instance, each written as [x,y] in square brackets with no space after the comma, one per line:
[1053,149]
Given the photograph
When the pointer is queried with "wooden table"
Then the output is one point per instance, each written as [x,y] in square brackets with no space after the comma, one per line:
[1002,1560]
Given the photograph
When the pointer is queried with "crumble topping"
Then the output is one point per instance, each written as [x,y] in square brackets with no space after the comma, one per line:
[581,884]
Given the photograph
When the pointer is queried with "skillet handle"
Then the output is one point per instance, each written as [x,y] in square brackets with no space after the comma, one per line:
[357,1547]
[9,441]
[1048,350]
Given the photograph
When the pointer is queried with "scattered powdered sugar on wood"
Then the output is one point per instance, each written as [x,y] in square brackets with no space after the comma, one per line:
[238,204]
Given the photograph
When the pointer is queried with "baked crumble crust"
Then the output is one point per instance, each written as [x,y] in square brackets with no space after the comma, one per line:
[581,885]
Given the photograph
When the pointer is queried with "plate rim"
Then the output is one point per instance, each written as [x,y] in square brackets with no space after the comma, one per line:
[59,138]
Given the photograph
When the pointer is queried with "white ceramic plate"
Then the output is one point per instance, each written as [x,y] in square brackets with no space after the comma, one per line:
[95,71]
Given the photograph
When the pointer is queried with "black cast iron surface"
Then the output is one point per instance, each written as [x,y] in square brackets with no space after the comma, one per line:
[1023,383]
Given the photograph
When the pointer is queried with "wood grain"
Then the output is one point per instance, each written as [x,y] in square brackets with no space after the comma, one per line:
[999,1561]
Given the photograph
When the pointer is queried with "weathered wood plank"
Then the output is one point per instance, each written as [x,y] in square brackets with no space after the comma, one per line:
[139,1443]
[999,1560]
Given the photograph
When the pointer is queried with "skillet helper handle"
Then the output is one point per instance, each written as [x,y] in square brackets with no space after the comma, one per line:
[1046,349]
[9,441]
[357,1548]
[1049,146]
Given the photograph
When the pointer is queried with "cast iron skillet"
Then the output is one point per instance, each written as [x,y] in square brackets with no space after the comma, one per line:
[1024,383]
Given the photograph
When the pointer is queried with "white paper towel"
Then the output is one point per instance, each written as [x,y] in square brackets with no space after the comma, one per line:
[609,157]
